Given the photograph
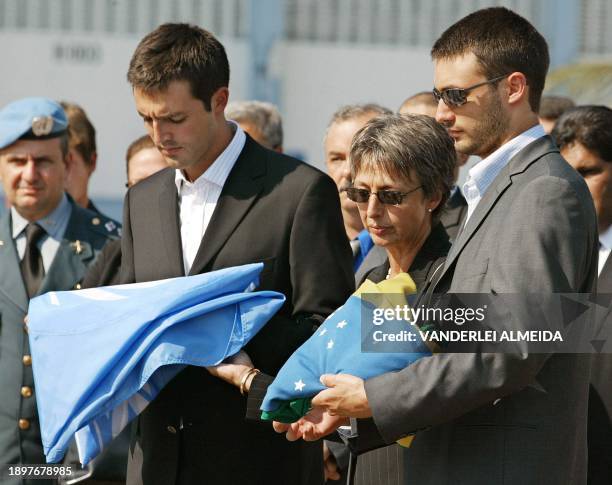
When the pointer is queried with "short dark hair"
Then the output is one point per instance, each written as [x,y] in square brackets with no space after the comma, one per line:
[400,144]
[180,52]
[81,132]
[503,42]
[588,125]
[552,107]
[137,145]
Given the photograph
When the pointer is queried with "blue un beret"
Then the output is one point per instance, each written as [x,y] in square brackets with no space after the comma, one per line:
[31,118]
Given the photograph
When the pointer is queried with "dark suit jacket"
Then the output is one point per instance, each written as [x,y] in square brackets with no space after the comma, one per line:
[386,465]
[454,213]
[600,401]
[105,269]
[66,271]
[272,209]
[515,417]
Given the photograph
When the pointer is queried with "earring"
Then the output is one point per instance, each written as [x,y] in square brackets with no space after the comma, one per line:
[429,210]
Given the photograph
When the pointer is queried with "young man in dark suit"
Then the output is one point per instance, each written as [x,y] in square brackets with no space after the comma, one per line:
[46,244]
[584,138]
[224,201]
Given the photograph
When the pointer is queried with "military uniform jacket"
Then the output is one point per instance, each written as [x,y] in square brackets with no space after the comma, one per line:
[86,233]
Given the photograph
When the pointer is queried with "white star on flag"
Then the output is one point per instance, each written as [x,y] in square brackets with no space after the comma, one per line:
[330,344]
[342,324]
[322,332]
[299,385]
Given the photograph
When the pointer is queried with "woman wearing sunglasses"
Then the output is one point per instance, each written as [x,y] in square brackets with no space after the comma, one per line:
[402,171]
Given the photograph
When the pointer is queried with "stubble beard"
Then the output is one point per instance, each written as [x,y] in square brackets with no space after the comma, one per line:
[488,134]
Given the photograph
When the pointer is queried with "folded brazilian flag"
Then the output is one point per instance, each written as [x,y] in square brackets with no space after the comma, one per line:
[336,348]
[101,355]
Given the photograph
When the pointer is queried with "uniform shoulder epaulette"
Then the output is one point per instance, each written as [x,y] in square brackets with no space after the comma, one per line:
[104,225]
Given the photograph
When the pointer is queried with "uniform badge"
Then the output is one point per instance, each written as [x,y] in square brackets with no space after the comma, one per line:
[110,225]
[42,125]
[78,247]
[95,221]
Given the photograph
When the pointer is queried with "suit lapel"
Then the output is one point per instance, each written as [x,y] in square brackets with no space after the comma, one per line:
[11,283]
[518,164]
[604,282]
[170,223]
[240,191]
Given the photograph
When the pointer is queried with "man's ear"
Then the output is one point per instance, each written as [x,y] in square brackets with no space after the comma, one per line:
[219,100]
[92,163]
[68,164]
[517,88]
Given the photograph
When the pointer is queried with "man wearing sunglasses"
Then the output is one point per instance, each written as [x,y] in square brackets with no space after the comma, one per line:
[530,228]
[493,418]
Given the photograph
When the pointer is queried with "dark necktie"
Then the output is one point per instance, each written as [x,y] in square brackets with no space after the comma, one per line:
[32,269]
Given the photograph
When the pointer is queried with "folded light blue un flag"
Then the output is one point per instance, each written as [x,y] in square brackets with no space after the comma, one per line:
[336,348]
[101,355]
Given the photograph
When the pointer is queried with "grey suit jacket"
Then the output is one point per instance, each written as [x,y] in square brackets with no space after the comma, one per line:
[68,268]
[502,418]
[600,398]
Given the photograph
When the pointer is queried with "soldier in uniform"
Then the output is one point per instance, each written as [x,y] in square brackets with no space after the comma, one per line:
[46,243]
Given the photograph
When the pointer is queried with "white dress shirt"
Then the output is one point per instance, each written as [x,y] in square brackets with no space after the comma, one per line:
[54,224]
[605,246]
[484,172]
[199,198]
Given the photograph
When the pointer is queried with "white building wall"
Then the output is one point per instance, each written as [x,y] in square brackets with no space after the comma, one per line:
[90,70]
[317,79]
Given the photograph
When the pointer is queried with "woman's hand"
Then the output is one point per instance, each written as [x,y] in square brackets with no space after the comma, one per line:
[232,369]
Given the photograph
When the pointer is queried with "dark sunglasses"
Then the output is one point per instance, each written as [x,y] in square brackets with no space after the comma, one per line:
[458,96]
[392,197]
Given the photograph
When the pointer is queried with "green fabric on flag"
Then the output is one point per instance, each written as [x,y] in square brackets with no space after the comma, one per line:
[288,411]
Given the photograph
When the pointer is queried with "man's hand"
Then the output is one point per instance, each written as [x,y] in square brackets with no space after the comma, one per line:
[312,427]
[346,396]
[233,368]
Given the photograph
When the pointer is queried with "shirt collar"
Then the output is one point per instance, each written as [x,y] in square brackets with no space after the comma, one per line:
[53,223]
[605,238]
[218,172]
[484,172]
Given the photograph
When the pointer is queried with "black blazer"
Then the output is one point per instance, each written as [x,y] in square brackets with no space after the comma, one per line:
[386,465]
[272,209]
[383,465]
[105,269]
